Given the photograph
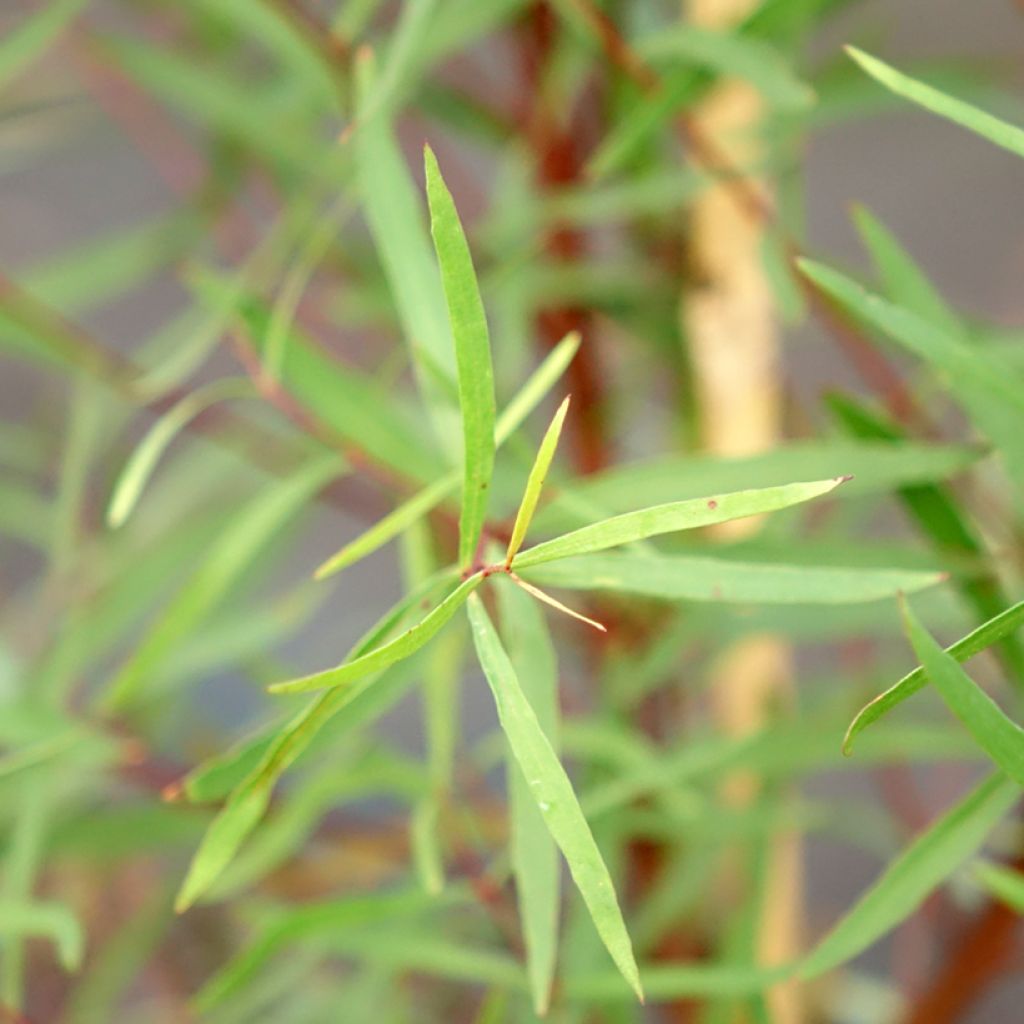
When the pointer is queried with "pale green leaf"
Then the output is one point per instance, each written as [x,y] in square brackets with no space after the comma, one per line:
[1003,882]
[733,55]
[1001,738]
[923,866]
[699,578]
[395,217]
[53,921]
[140,465]
[535,482]
[551,789]
[472,353]
[874,467]
[993,397]
[410,511]
[1008,136]
[533,851]
[680,515]
[244,537]
[379,658]
[33,35]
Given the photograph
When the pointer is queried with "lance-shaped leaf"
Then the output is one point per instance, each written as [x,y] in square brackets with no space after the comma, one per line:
[53,921]
[387,654]
[1003,625]
[139,467]
[931,858]
[395,217]
[30,38]
[412,510]
[472,355]
[245,536]
[679,515]
[993,397]
[700,578]
[1008,136]
[1003,882]
[533,851]
[1000,738]
[551,789]
[250,797]
[535,482]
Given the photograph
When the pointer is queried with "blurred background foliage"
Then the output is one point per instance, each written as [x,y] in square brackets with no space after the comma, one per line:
[226,354]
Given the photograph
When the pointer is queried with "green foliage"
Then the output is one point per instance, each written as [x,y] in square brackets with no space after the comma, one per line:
[399,349]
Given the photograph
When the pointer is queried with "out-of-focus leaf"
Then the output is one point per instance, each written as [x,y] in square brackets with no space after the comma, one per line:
[232,553]
[250,797]
[931,858]
[533,851]
[33,35]
[54,921]
[140,465]
[733,55]
[1003,882]
[227,104]
[1001,738]
[992,396]
[940,519]
[551,789]
[93,272]
[1007,136]
[904,281]
[395,216]
[695,578]
[472,353]
[680,515]
[295,925]
[873,466]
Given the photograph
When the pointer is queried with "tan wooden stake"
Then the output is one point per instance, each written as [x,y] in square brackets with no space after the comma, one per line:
[731,325]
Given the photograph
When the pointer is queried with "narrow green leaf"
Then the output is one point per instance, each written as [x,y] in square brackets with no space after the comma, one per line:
[1000,738]
[401,647]
[53,921]
[680,515]
[389,526]
[1008,136]
[733,55]
[905,283]
[244,537]
[924,339]
[250,797]
[218,775]
[539,383]
[295,925]
[993,397]
[26,42]
[698,578]
[140,465]
[472,353]
[937,512]
[553,793]
[875,467]
[408,512]
[533,851]
[1003,882]
[931,858]
[426,847]
[1003,625]
[395,217]
[535,482]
